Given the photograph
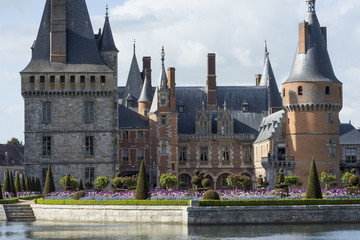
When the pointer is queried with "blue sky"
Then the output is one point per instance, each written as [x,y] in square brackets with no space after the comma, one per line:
[234,29]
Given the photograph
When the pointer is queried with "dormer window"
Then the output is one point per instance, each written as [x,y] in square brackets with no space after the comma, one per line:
[162,100]
[129,101]
[300,90]
[327,90]
[203,127]
[245,107]
[32,79]
[181,108]
[225,127]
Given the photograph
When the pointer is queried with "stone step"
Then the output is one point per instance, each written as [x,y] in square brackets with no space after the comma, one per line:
[19,213]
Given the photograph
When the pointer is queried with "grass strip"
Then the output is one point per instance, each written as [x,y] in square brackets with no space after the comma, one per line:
[114,202]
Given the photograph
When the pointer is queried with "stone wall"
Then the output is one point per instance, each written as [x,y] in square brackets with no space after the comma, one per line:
[2,213]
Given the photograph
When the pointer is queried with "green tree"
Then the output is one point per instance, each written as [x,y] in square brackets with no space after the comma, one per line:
[17,183]
[28,183]
[22,183]
[328,180]
[1,196]
[142,186]
[292,180]
[313,189]
[49,185]
[168,180]
[117,182]
[101,183]
[7,184]
[13,189]
[15,141]
[69,183]
[197,179]
[33,184]
[81,185]
[130,182]
[239,181]
[38,185]
[345,179]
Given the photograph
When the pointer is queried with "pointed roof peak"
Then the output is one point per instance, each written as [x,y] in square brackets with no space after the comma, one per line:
[107,11]
[134,45]
[163,78]
[162,56]
[107,42]
[145,95]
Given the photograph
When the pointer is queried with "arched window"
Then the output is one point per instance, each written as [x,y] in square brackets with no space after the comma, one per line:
[327,90]
[300,90]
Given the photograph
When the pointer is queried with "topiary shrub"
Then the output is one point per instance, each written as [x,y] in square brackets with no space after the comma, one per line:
[142,186]
[79,195]
[196,172]
[81,185]
[69,183]
[117,182]
[118,175]
[183,185]
[49,182]
[196,181]
[313,189]
[211,195]
[353,180]
[101,182]
[206,183]
[89,185]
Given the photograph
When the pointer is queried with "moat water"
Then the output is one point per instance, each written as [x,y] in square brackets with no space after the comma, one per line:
[52,230]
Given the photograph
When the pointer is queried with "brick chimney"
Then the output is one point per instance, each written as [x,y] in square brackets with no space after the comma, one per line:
[147,67]
[171,86]
[257,79]
[6,158]
[211,82]
[303,36]
[58,31]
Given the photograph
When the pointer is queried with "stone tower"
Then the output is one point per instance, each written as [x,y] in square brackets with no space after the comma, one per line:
[163,124]
[312,99]
[70,94]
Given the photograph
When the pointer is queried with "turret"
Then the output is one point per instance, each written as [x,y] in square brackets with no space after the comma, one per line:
[312,99]
[145,98]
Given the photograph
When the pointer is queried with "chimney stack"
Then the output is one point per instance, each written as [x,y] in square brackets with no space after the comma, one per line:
[171,86]
[303,36]
[211,82]
[257,79]
[147,68]
[58,31]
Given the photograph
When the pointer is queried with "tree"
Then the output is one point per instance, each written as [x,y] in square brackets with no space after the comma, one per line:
[38,185]
[22,183]
[313,189]
[293,180]
[142,186]
[28,183]
[196,181]
[33,184]
[101,183]
[17,183]
[69,183]
[13,189]
[130,182]
[15,141]
[7,184]
[328,180]
[345,179]
[49,185]
[1,196]
[81,186]
[239,181]
[168,180]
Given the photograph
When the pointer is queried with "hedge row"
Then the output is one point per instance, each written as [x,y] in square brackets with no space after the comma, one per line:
[114,202]
[9,201]
[281,202]
[31,197]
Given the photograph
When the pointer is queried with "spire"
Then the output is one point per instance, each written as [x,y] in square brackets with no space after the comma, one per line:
[145,95]
[134,45]
[266,51]
[107,42]
[163,78]
[311,5]
[312,62]
[162,56]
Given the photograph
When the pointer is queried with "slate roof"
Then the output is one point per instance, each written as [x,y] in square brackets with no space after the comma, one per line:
[145,95]
[349,134]
[315,64]
[107,42]
[82,47]
[269,125]
[15,153]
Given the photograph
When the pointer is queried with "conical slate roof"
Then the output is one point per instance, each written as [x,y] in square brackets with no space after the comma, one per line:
[315,64]
[145,95]
[268,80]
[80,41]
[161,85]
[134,82]
[107,42]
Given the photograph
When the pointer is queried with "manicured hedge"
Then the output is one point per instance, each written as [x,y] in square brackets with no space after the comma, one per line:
[31,197]
[114,202]
[9,201]
[282,202]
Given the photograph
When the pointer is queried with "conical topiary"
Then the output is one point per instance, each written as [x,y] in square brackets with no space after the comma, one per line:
[17,183]
[13,189]
[38,185]
[313,189]
[142,187]
[81,186]
[49,185]
[33,184]
[22,183]
[7,184]
[28,183]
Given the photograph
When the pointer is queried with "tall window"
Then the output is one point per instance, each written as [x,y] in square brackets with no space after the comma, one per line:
[89,174]
[46,112]
[140,135]
[89,146]
[331,118]
[331,148]
[162,100]
[203,154]
[163,119]
[225,156]
[203,127]
[140,154]
[350,155]
[245,107]
[125,134]
[327,90]
[225,127]
[223,180]
[46,146]
[125,155]
[300,90]
[182,154]
[52,79]
[89,112]
[283,92]
[163,147]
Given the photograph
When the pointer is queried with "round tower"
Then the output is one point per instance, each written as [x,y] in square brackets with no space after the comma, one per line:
[312,99]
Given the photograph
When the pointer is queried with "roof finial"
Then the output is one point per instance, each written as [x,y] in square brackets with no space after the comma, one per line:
[162,55]
[311,5]
[224,105]
[107,11]
[134,45]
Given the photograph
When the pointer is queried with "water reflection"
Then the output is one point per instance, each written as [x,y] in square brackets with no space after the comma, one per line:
[51,230]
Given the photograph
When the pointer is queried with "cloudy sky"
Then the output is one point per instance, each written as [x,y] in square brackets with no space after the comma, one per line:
[189,29]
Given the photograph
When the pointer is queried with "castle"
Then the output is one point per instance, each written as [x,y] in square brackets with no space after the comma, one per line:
[80,122]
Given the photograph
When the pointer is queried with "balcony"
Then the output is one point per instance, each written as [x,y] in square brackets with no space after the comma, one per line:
[275,162]
[350,163]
